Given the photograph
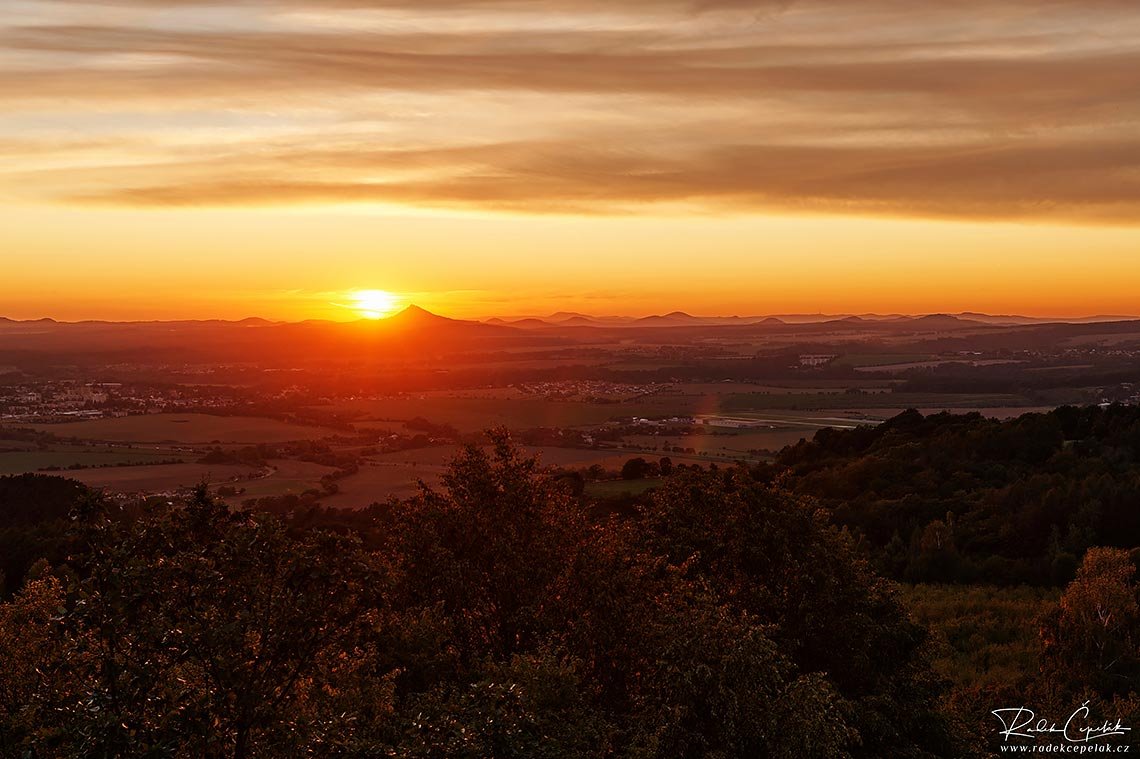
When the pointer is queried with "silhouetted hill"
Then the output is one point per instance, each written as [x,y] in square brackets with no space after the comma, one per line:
[672,318]
[579,321]
[942,321]
[415,317]
[415,334]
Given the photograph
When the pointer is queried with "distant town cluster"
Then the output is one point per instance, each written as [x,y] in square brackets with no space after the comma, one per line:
[73,400]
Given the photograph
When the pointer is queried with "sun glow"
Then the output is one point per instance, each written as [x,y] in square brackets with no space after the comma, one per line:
[374,304]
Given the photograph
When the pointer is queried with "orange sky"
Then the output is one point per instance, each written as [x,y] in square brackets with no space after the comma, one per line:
[195,159]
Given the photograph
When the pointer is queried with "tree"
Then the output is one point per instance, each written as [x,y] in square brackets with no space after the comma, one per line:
[636,469]
[1091,638]
[35,652]
[217,633]
[487,547]
[489,617]
[774,557]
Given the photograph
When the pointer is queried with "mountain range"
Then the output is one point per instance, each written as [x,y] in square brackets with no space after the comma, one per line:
[416,334]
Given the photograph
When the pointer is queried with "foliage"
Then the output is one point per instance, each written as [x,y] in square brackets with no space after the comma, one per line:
[491,617]
[34,510]
[987,636]
[962,498]
[1093,637]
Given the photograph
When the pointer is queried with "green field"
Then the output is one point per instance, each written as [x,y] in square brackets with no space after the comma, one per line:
[397,474]
[474,414]
[187,428]
[378,482]
[881,359]
[63,456]
[288,477]
[161,477]
[618,488]
[731,443]
[761,402]
[789,387]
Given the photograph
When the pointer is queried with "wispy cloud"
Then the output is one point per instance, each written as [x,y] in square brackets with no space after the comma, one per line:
[1002,109]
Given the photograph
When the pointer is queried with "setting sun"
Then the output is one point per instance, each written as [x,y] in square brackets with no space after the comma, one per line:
[374,304]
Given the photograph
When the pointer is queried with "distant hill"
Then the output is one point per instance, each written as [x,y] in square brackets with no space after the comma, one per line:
[417,318]
[531,323]
[415,334]
[580,321]
[670,319]
[942,321]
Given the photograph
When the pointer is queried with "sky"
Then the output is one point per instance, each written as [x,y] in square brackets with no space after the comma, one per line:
[165,159]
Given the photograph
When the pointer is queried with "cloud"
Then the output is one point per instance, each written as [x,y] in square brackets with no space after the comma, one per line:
[1097,182]
[1003,109]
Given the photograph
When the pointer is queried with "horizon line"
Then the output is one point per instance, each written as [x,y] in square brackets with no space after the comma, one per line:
[562,316]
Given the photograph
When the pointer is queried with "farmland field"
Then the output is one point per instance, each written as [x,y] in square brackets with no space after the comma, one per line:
[880,359]
[187,428]
[734,444]
[160,477]
[790,388]
[288,476]
[380,481]
[17,462]
[617,488]
[396,474]
[995,412]
[471,414]
[474,414]
[755,401]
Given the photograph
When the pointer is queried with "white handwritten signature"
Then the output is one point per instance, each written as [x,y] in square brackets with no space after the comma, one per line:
[1022,722]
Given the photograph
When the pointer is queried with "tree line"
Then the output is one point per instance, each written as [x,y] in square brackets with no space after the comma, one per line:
[498,615]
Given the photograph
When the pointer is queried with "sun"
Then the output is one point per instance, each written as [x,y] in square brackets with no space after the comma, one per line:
[374,304]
